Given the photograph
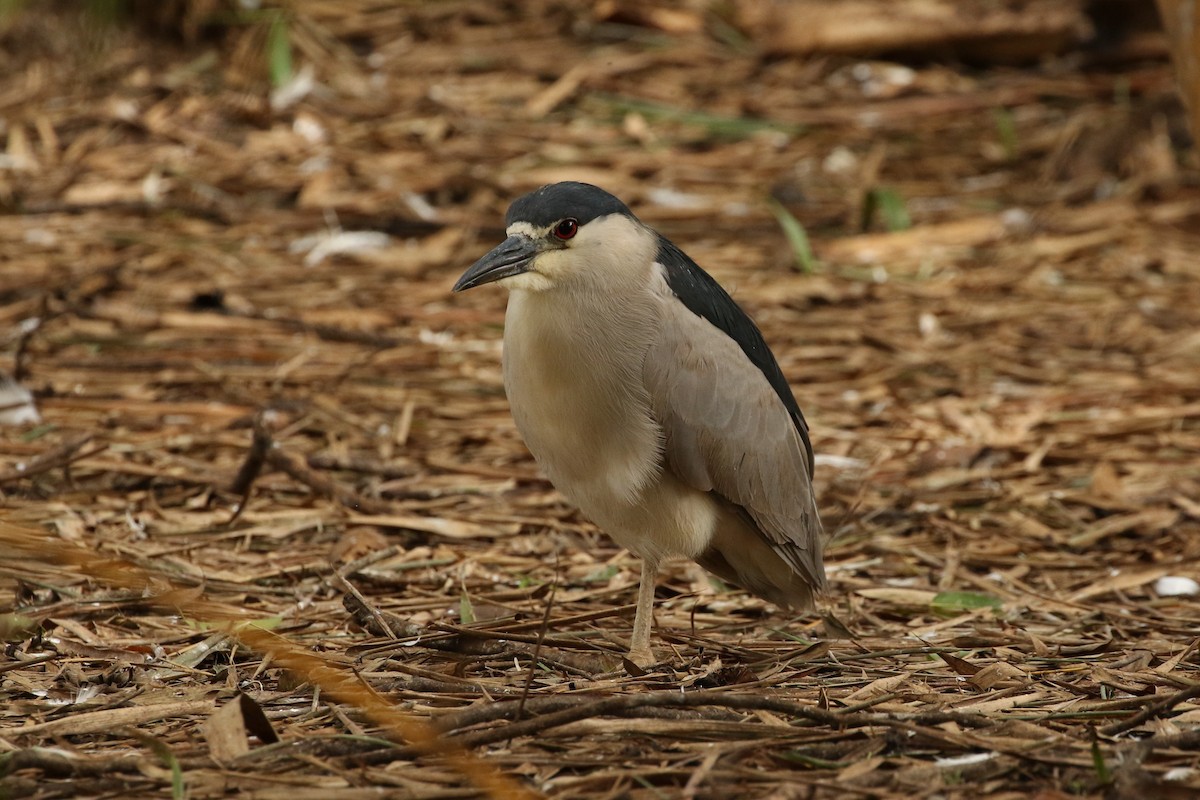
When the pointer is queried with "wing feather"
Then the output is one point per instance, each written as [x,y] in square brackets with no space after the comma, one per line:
[727,430]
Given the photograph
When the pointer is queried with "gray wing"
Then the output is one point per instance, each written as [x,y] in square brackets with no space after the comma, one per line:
[726,430]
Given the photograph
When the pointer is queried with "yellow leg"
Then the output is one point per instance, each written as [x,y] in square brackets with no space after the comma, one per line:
[639,648]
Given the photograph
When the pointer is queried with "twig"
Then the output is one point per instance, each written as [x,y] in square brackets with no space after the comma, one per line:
[534,625]
[28,329]
[252,466]
[346,587]
[256,458]
[363,465]
[62,456]
[505,710]
[537,648]
[621,705]
[373,557]
[1151,711]
[29,662]
[1188,740]
[524,638]
[698,777]
[264,450]
[62,764]
[294,467]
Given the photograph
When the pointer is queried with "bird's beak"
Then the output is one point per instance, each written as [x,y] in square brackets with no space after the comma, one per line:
[511,257]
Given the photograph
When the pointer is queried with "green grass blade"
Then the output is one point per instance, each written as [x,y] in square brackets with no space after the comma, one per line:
[1006,131]
[279,50]
[891,207]
[1099,763]
[9,8]
[167,756]
[797,238]
[466,612]
[964,601]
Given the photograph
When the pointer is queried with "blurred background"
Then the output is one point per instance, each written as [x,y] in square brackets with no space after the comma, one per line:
[969,229]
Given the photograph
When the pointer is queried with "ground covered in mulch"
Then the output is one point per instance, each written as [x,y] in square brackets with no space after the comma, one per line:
[274,456]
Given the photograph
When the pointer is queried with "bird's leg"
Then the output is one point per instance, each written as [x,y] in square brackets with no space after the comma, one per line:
[639,648]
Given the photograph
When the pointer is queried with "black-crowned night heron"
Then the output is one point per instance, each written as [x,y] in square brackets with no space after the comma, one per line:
[651,401]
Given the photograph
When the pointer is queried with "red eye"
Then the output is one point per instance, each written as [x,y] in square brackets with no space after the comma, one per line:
[566,229]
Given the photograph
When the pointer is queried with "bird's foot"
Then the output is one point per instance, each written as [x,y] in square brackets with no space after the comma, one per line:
[641,661]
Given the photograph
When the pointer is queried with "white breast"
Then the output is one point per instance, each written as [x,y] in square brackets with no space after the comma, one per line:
[574,382]
[578,397]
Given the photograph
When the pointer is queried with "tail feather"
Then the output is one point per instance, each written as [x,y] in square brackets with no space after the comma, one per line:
[739,554]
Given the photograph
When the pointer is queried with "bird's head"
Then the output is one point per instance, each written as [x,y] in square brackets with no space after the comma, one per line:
[562,234]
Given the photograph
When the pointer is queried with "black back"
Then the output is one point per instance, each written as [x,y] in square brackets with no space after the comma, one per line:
[549,204]
[704,297]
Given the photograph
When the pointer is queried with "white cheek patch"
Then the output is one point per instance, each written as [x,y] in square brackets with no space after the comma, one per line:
[524,229]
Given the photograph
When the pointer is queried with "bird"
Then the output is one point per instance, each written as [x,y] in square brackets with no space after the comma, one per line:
[651,400]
